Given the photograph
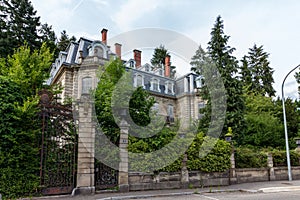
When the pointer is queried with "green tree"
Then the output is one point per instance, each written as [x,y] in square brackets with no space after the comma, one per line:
[21,76]
[64,41]
[264,128]
[297,77]
[139,104]
[261,73]
[221,54]
[19,24]
[246,76]
[158,58]
[28,69]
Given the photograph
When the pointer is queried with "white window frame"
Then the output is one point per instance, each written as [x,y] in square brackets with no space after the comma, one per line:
[167,84]
[135,81]
[155,80]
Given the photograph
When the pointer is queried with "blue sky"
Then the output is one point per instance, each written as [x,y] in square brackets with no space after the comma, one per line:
[271,23]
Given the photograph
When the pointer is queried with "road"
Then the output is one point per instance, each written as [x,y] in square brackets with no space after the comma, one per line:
[295,195]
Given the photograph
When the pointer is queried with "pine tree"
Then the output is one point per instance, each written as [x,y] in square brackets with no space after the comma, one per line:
[158,58]
[64,41]
[227,65]
[199,61]
[20,25]
[257,64]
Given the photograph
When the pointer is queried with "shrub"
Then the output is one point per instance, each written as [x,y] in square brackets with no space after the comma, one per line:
[246,157]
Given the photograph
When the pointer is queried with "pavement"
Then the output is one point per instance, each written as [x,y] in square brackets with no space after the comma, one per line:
[255,187]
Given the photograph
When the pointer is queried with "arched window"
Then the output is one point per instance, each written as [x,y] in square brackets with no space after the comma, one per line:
[147,68]
[169,88]
[98,51]
[86,85]
[155,85]
[138,80]
[170,110]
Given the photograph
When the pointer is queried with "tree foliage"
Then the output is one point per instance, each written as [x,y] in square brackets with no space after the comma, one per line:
[256,73]
[221,55]
[64,41]
[20,79]
[140,102]
[19,24]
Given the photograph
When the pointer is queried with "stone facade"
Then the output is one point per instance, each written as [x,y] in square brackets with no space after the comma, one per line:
[76,71]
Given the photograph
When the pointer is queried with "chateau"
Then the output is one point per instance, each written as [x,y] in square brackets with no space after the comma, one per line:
[75,70]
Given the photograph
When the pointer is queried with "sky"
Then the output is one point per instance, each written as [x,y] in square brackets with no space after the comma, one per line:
[271,23]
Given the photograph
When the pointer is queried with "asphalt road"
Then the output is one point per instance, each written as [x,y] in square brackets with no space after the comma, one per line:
[295,195]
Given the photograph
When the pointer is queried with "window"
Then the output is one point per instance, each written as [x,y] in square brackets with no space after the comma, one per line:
[147,68]
[131,64]
[169,88]
[170,110]
[155,85]
[138,81]
[86,85]
[98,51]
[170,114]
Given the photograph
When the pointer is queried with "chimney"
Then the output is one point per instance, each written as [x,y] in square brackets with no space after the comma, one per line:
[118,49]
[137,57]
[104,35]
[167,66]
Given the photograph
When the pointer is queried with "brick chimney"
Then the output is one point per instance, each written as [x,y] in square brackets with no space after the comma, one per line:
[118,49]
[137,54]
[104,35]
[167,66]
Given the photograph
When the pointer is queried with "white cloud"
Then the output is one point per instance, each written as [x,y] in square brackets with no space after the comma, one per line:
[131,11]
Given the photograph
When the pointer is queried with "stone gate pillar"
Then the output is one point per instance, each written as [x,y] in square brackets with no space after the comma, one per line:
[271,167]
[123,166]
[86,146]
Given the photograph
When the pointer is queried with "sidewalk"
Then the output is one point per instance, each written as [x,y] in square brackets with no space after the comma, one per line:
[270,186]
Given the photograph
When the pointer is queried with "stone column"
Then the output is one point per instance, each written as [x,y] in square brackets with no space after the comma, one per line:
[184,173]
[271,167]
[123,166]
[86,147]
[232,178]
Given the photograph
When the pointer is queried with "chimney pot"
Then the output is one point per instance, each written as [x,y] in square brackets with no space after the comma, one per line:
[104,35]
[167,66]
[137,57]
[118,49]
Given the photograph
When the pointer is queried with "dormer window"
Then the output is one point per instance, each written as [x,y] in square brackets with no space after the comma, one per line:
[169,87]
[131,64]
[160,72]
[138,81]
[155,85]
[147,69]
[98,51]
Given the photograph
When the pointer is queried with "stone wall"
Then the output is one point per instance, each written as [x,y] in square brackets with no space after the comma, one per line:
[172,180]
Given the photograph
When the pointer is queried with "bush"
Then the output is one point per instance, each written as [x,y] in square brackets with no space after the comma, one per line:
[279,158]
[246,157]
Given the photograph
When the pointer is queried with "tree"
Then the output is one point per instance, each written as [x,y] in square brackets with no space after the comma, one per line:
[28,69]
[19,24]
[158,58]
[221,55]
[64,41]
[21,77]
[263,127]
[199,61]
[246,76]
[139,104]
[256,65]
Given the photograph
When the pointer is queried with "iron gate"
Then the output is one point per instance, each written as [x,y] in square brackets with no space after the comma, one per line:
[105,177]
[58,146]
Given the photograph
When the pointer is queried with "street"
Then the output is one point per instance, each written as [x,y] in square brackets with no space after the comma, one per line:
[295,195]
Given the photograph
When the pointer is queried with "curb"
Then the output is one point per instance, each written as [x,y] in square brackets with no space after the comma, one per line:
[175,194]
[280,189]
